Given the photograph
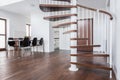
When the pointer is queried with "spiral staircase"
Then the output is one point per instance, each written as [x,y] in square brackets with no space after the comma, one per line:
[69,14]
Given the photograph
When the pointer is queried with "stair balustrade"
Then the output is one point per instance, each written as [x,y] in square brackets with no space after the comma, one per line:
[93,28]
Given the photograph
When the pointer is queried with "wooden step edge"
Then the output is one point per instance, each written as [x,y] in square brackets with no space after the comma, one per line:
[70,31]
[90,55]
[92,66]
[60,16]
[56,6]
[78,46]
[78,38]
[64,24]
[84,19]
[63,0]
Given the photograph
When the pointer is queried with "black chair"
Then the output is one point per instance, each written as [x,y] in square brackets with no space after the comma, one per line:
[25,43]
[41,43]
[34,43]
[11,42]
[10,38]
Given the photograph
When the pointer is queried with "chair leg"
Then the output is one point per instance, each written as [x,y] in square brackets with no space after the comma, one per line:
[31,51]
[7,53]
[37,49]
[19,53]
[43,47]
[23,51]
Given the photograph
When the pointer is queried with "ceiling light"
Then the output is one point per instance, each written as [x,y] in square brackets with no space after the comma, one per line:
[7,2]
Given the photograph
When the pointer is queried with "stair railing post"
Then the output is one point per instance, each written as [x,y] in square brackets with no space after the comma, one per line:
[73,67]
[111,37]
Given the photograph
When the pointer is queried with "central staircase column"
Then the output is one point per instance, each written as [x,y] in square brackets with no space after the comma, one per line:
[73,35]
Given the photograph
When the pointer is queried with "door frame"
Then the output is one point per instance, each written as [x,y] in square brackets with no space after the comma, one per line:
[3,49]
[91,19]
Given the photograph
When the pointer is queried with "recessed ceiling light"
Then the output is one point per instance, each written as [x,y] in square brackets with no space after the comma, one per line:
[7,2]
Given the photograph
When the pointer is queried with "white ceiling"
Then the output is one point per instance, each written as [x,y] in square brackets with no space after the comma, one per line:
[27,6]
[24,7]
[99,4]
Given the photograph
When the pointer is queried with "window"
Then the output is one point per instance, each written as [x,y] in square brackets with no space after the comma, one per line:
[28,30]
[2,34]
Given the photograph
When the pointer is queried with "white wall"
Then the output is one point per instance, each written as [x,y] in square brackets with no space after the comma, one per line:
[40,28]
[117,57]
[51,38]
[15,24]
[99,4]
[64,41]
[115,9]
[100,32]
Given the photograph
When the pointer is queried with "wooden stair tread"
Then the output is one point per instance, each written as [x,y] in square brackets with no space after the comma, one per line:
[70,31]
[64,24]
[78,38]
[92,66]
[63,0]
[59,16]
[56,6]
[84,46]
[91,55]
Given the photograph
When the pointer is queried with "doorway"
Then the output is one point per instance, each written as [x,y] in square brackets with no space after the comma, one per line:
[56,39]
[2,34]
[85,31]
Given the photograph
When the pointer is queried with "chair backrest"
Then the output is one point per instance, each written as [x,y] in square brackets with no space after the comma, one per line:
[41,41]
[11,41]
[10,38]
[26,42]
[34,42]
[20,39]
